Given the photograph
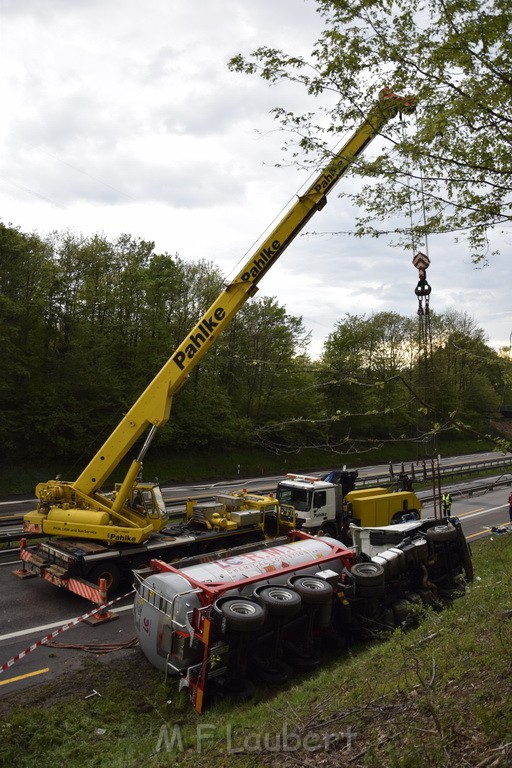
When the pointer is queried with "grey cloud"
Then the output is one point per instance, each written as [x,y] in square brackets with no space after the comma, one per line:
[123,179]
[45,9]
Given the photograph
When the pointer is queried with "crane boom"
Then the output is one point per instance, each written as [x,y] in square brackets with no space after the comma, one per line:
[152,408]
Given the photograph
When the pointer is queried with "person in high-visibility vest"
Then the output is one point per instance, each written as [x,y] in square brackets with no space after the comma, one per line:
[446,501]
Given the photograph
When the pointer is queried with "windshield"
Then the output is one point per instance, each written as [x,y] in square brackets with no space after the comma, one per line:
[159,500]
[299,498]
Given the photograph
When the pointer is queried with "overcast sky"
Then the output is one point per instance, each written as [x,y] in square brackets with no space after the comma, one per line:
[120,116]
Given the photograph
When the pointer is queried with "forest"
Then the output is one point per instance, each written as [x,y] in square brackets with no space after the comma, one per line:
[86,323]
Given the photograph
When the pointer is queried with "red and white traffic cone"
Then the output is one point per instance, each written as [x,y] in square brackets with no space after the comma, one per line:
[22,572]
[103,615]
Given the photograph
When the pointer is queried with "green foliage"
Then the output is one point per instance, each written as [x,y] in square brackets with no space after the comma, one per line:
[86,323]
[455,157]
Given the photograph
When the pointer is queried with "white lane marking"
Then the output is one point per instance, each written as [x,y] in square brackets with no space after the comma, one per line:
[45,627]
[465,515]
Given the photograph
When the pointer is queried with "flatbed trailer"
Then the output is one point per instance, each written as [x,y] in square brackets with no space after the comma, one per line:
[78,565]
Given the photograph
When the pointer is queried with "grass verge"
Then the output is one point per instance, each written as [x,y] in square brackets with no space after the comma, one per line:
[436,695]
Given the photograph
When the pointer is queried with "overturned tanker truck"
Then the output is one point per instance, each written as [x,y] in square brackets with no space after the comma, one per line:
[266,609]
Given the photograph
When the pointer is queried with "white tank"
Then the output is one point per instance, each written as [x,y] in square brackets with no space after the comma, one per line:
[164,600]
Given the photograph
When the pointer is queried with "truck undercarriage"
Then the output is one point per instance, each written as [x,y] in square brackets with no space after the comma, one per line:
[263,611]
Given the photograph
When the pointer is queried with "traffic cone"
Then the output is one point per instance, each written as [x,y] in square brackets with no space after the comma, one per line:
[103,615]
[22,572]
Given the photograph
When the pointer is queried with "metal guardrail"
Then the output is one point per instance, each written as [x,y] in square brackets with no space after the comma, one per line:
[419,473]
[424,471]
[468,489]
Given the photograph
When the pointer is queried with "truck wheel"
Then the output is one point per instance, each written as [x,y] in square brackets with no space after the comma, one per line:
[312,591]
[441,533]
[279,601]
[109,572]
[241,614]
[330,530]
[274,673]
[238,689]
[368,574]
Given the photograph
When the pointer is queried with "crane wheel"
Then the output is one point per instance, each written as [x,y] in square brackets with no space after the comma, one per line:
[110,573]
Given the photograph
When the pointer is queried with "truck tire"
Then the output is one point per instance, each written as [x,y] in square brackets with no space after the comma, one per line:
[312,591]
[279,601]
[441,533]
[273,673]
[241,614]
[108,571]
[234,690]
[368,574]
[330,530]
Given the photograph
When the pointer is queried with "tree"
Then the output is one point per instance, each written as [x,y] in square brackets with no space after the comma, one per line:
[452,169]
[365,361]
[26,279]
[468,376]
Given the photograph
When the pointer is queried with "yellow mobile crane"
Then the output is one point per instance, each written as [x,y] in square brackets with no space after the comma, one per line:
[80,509]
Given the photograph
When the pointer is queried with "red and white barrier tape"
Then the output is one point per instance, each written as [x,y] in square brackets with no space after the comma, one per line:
[59,631]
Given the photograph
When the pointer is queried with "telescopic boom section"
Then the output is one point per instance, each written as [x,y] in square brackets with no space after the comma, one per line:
[153,406]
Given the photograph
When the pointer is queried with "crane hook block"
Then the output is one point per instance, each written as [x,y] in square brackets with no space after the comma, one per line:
[423,288]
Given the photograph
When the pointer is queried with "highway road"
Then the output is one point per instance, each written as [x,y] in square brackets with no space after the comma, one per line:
[20,505]
[31,609]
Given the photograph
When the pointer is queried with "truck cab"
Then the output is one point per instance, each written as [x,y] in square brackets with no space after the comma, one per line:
[311,501]
[315,504]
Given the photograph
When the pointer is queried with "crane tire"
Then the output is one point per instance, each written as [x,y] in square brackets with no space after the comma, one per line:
[173,555]
[139,562]
[108,571]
